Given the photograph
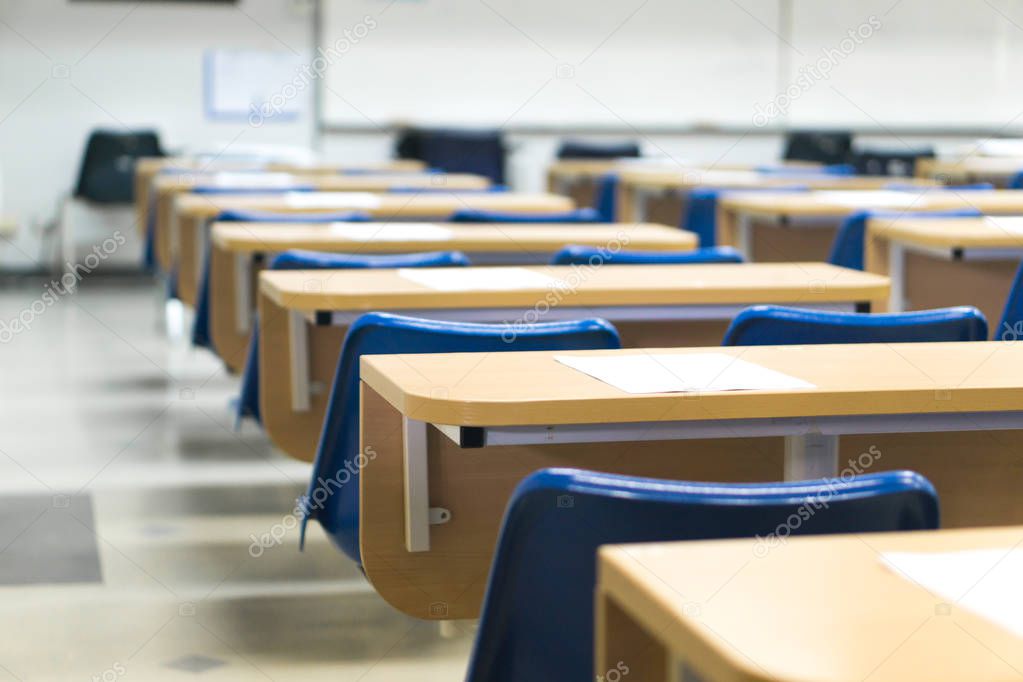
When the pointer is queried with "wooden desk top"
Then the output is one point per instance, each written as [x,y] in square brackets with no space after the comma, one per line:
[434,204]
[688,178]
[470,237]
[581,168]
[950,233]
[152,165]
[814,608]
[973,163]
[334,182]
[824,204]
[533,389]
[608,285]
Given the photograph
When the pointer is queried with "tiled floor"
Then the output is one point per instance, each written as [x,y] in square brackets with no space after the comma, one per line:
[128,508]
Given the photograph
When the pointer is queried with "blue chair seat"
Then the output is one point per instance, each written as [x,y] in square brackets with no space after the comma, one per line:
[248,401]
[769,325]
[593,255]
[537,621]
[579,215]
[337,507]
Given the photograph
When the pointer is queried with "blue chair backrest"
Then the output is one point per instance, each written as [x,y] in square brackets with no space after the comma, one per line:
[771,325]
[595,255]
[606,198]
[440,188]
[910,187]
[700,214]
[1016,182]
[382,334]
[247,216]
[537,621]
[248,399]
[833,169]
[1010,327]
[578,149]
[578,215]
[847,250]
[252,190]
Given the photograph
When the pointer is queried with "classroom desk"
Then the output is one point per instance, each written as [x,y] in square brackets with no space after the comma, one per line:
[824,608]
[457,432]
[167,189]
[304,315]
[660,194]
[577,178]
[240,251]
[786,226]
[188,235]
[148,168]
[998,170]
[941,262]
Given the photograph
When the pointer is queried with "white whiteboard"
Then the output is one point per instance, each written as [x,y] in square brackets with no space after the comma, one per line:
[673,63]
[549,62]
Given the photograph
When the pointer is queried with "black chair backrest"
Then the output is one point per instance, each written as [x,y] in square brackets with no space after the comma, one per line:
[826,147]
[456,151]
[579,149]
[108,165]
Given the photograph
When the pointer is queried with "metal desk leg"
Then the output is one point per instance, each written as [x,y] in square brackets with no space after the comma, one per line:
[417,486]
[298,340]
[897,276]
[242,295]
[639,199]
[810,456]
[744,236]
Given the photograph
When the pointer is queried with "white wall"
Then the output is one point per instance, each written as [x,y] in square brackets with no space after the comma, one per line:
[66,68]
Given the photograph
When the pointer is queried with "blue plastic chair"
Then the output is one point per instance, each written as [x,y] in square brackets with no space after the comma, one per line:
[578,215]
[772,325]
[537,621]
[201,324]
[337,509]
[833,169]
[1016,182]
[700,214]
[1010,327]
[847,250]
[252,190]
[440,188]
[606,197]
[248,400]
[593,255]
[909,187]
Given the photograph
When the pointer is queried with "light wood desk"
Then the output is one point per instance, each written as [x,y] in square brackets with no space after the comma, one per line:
[191,245]
[785,226]
[940,262]
[188,235]
[660,194]
[998,170]
[240,250]
[822,608]
[954,412]
[578,178]
[148,168]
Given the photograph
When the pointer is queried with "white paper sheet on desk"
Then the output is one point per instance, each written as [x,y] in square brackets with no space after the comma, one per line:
[984,581]
[391,232]
[1010,224]
[870,198]
[664,373]
[339,200]
[478,279]
[250,180]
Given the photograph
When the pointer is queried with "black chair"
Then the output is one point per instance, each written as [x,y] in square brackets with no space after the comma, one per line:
[108,166]
[456,151]
[577,149]
[894,162]
[820,146]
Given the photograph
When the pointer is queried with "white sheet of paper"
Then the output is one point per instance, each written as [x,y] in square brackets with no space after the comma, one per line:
[1012,224]
[984,581]
[250,180]
[391,232]
[663,373]
[870,198]
[339,200]
[478,279]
